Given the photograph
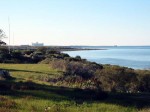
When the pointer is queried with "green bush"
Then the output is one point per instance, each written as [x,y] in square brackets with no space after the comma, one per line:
[4,49]
[118,79]
[4,54]
[42,50]
[17,54]
[85,70]
[52,52]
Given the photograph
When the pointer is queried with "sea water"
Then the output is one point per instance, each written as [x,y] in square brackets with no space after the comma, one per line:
[137,57]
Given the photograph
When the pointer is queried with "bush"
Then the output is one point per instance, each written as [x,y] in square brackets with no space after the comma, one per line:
[42,50]
[37,57]
[46,61]
[4,49]
[85,70]
[78,57]
[17,54]
[82,69]
[58,56]
[4,54]
[58,64]
[52,52]
[118,79]
[144,82]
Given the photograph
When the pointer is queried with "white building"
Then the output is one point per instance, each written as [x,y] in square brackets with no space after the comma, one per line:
[37,44]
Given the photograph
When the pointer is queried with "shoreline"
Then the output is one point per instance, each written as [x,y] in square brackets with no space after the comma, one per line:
[58,48]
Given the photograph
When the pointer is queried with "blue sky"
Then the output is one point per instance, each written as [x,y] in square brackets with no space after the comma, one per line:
[77,22]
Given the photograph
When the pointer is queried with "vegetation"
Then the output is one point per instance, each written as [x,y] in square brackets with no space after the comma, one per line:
[105,77]
[28,92]
[2,35]
[19,56]
[55,82]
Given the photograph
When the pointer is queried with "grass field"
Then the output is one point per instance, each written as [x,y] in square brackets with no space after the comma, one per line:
[29,93]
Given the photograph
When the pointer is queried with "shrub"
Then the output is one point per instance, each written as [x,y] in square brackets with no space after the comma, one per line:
[85,70]
[144,82]
[17,55]
[52,52]
[42,50]
[118,79]
[58,56]
[37,57]
[78,57]
[81,69]
[58,64]
[4,49]
[4,54]
[46,61]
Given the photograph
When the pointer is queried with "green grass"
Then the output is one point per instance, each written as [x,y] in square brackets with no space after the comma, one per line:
[34,72]
[29,93]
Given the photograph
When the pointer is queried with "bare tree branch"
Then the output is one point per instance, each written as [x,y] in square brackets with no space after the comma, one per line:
[2,34]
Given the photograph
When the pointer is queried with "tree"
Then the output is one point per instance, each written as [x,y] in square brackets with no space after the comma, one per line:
[2,35]
[4,54]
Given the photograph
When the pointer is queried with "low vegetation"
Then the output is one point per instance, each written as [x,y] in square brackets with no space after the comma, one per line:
[29,92]
[109,78]
[55,82]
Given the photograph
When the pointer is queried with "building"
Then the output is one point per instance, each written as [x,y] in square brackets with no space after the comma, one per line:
[37,44]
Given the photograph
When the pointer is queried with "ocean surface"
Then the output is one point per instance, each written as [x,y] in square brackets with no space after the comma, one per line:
[137,57]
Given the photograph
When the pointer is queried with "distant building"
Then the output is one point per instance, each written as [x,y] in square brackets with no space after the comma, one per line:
[37,44]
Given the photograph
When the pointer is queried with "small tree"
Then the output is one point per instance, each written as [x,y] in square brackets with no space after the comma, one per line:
[4,54]
[2,35]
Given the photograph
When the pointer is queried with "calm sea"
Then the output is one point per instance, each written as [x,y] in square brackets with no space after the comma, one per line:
[137,57]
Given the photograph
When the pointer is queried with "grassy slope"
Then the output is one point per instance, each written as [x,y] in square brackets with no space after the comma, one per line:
[43,95]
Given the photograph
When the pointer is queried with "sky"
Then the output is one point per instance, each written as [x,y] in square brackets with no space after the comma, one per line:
[76,22]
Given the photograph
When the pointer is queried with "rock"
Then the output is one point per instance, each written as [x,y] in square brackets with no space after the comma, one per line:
[4,75]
